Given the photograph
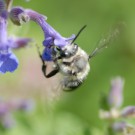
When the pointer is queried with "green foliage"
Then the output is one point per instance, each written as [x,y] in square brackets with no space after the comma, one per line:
[104,102]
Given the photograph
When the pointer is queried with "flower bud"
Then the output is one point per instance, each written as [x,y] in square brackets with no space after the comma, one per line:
[119,126]
[18,16]
[115,98]
[128,111]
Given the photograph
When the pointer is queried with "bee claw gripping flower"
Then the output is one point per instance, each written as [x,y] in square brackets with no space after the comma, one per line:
[8,61]
[19,15]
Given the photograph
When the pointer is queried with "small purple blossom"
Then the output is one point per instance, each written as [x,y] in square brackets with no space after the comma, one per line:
[24,105]
[8,121]
[6,118]
[8,61]
[8,108]
[119,126]
[3,12]
[115,98]
[116,116]
[128,111]
[19,15]
[3,109]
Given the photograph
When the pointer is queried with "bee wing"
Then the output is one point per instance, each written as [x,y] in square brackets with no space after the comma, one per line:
[104,42]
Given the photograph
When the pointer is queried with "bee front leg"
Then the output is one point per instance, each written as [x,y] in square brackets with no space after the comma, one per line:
[44,67]
[52,73]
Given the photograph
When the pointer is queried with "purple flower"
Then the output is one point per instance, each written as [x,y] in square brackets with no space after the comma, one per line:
[8,121]
[8,61]
[3,12]
[8,108]
[119,126]
[128,111]
[115,96]
[21,105]
[19,15]
[25,105]
[3,109]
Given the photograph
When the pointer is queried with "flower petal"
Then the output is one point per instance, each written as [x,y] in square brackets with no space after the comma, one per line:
[119,126]
[60,42]
[3,12]
[115,98]
[48,42]
[52,37]
[47,54]
[17,15]
[128,111]
[3,109]
[2,6]
[71,38]
[3,31]
[8,63]
[20,42]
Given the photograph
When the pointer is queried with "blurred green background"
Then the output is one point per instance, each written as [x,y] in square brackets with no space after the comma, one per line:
[72,113]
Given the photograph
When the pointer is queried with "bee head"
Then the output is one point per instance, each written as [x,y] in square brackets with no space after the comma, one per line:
[69,50]
[66,51]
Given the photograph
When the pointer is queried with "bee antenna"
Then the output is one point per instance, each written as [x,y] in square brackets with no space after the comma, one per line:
[38,48]
[39,53]
[78,34]
[103,43]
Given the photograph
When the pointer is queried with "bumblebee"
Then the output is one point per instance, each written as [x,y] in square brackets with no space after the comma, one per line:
[73,62]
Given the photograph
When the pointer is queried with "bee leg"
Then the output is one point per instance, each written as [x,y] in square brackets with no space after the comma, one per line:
[52,73]
[44,67]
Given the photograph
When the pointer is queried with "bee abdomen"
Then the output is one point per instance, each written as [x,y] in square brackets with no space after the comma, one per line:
[71,84]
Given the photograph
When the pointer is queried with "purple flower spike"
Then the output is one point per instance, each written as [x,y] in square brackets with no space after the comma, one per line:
[128,111]
[8,61]
[52,37]
[115,96]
